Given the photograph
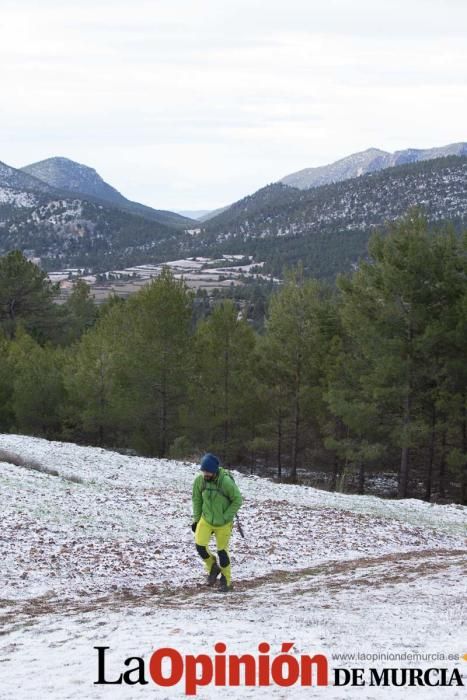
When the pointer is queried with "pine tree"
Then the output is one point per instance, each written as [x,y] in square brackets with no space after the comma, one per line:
[389,306]
[353,431]
[291,358]
[80,312]
[446,341]
[91,381]
[222,389]
[6,387]
[154,363]
[38,391]
[26,296]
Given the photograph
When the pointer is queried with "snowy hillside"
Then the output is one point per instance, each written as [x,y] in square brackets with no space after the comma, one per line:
[359,204]
[81,180]
[369,161]
[17,199]
[17,179]
[99,551]
[65,174]
[63,213]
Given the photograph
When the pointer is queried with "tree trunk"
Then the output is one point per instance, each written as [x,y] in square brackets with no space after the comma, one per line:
[335,472]
[336,462]
[405,456]
[279,446]
[163,417]
[361,478]
[10,328]
[442,467]
[226,400]
[464,448]
[101,405]
[431,454]
[296,424]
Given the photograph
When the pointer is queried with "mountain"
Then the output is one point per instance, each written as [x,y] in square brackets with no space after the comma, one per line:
[66,229]
[73,232]
[11,178]
[366,162]
[328,227]
[203,214]
[196,214]
[325,227]
[213,213]
[67,175]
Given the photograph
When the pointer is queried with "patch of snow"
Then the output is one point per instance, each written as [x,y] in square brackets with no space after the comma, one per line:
[17,199]
[103,554]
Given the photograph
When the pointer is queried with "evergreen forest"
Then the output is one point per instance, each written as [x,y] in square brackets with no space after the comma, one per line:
[340,385]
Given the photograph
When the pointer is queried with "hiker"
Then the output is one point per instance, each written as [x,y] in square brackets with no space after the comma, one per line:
[216,500]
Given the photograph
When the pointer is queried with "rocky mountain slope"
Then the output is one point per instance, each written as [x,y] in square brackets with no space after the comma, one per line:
[328,227]
[19,181]
[80,229]
[73,232]
[68,176]
[368,161]
[65,174]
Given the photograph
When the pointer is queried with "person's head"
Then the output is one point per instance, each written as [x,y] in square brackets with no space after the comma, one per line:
[209,466]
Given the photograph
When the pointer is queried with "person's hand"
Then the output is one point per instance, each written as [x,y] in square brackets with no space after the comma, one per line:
[193,527]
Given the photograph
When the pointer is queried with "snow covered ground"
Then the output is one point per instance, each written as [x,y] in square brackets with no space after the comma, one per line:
[102,554]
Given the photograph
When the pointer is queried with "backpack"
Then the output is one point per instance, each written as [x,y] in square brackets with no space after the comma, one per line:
[220,489]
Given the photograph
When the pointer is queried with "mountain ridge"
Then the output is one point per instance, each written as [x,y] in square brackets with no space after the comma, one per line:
[70,176]
[66,174]
[62,227]
[328,227]
[367,161]
[17,179]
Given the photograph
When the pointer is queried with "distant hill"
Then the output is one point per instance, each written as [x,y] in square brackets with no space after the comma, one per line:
[328,227]
[203,214]
[213,213]
[365,162]
[67,175]
[69,229]
[21,181]
[197,214]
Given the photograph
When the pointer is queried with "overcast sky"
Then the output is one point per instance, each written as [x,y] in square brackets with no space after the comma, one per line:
[192,104]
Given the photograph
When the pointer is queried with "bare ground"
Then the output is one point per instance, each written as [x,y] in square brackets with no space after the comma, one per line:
[364,572]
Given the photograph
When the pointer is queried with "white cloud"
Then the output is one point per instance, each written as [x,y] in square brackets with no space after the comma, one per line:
[188,104]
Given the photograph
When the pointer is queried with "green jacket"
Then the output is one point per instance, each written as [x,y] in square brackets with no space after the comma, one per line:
[217,500]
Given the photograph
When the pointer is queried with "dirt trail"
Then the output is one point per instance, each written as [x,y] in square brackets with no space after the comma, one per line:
[333,576]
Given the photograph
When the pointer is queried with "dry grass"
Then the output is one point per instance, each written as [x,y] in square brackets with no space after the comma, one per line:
[34,465]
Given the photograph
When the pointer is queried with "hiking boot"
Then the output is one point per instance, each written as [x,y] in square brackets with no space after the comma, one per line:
[213,574]
[224,587]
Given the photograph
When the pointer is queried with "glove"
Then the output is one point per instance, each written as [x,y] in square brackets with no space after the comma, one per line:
[193,527]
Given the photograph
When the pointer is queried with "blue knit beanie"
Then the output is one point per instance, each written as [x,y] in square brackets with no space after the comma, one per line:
[209,463]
